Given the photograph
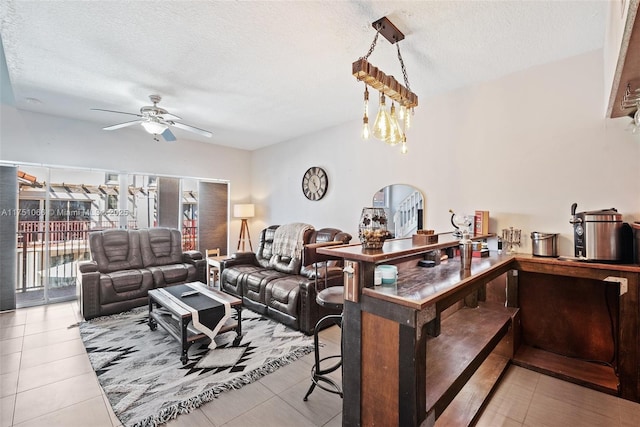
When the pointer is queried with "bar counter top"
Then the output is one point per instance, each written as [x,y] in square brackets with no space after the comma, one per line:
[419,287]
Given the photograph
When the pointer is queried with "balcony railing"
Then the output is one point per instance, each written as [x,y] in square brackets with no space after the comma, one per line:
[68,244]
[189,235]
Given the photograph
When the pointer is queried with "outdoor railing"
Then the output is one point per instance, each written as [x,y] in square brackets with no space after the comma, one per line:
[189,235]
[68,244]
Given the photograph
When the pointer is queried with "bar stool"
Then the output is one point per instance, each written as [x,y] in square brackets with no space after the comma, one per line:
[333,298]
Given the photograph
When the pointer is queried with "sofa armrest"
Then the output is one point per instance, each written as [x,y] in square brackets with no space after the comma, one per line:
[201,269]
[87,267]
[89,293]
[195,258]
[239,258]
[189,256]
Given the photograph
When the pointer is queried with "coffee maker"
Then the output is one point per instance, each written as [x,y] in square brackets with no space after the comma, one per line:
[597,235]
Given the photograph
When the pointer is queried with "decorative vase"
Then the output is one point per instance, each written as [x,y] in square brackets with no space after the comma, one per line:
[372,229]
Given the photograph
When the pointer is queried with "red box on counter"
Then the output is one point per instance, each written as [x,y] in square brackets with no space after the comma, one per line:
[481,223]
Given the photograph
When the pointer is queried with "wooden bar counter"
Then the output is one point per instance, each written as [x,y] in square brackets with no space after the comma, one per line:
[429,350]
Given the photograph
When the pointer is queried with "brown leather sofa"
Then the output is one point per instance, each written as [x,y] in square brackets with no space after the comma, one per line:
[126,264]
[285,287]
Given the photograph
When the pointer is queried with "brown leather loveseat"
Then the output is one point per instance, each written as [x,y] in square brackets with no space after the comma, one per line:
[281,284]
[126,264]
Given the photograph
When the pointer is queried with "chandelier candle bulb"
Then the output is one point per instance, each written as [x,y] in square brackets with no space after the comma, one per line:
[365,128]
[402,112]
[382,125]
[395,135]
[365,119]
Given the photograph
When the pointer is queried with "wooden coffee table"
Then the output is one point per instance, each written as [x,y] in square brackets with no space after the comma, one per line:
[174,314]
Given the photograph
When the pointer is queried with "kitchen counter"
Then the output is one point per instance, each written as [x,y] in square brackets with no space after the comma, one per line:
[419,287]
[388,331]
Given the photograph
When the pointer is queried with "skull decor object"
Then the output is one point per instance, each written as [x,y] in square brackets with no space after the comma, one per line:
[372,229]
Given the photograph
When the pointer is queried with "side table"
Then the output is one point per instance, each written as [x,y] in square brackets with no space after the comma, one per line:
[213,262]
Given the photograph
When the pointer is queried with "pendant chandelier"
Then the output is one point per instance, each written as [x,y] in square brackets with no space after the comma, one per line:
[391,123]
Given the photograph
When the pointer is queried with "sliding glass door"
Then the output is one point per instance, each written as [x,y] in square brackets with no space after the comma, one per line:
[58,208]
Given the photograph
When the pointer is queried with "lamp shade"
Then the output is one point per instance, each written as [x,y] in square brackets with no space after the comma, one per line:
[244,211]
[154,127]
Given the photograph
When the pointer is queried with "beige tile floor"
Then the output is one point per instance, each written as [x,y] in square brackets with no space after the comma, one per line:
[46,380]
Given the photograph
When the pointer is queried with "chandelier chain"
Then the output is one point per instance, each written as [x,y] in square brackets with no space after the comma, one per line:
[404,70]
[373,45]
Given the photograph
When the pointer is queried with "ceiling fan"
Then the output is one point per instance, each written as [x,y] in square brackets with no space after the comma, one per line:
[156,121]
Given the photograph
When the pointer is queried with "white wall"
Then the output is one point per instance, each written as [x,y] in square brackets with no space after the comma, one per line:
[524,147]
[43,139]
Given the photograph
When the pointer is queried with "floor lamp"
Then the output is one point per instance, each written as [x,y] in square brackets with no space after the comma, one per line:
[244,212]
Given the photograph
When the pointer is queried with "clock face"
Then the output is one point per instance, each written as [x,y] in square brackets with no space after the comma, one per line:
[315,183]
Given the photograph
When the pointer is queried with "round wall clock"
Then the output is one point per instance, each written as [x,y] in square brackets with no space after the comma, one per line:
[315,183]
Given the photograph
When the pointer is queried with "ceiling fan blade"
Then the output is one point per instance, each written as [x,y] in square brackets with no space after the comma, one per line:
[191,128]
[118,112]
[122,125]
[169,116]
[168,135]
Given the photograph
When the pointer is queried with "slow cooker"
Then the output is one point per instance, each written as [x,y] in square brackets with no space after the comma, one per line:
[597,235]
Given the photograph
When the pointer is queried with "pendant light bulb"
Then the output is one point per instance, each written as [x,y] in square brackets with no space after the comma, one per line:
[365,128]
[382,125]
[366,101]
[401,113]
[407,118]
[395,136]
[404,149]
[365,118]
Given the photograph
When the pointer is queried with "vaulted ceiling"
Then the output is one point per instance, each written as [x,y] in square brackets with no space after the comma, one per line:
[257,73]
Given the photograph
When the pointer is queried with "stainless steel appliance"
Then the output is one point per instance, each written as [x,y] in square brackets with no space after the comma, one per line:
[544,244]
[597,235]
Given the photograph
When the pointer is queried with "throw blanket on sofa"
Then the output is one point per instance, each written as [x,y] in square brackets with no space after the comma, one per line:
[287,239]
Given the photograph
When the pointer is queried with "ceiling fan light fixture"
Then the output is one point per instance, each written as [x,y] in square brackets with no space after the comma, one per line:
[156,121]
[154,127]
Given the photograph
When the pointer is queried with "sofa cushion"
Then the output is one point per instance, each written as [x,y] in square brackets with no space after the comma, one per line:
[254,288]
[124,285]
[160,246]
[173,273]
[231,279]
[282,294]
[282,297]
[115,250]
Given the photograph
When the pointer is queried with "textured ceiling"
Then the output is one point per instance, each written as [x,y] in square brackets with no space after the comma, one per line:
[257,73]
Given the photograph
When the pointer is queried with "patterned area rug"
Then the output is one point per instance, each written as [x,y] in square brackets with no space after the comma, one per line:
[141,373]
